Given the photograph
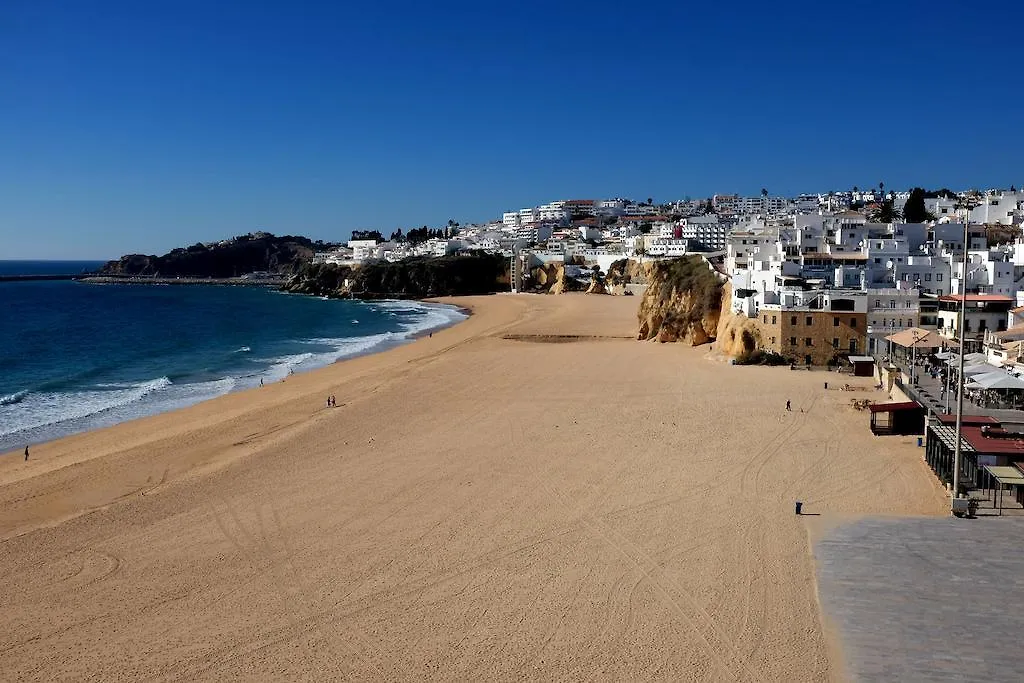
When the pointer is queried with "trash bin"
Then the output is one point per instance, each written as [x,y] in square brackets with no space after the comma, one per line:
[799,507]
[920,441]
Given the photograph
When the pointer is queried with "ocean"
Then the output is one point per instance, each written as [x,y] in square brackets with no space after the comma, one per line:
[76,356]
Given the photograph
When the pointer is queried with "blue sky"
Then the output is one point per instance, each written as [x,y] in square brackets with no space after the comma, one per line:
[141,126]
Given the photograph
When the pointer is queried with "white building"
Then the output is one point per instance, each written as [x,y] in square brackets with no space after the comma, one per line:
[707,230]
[890,310]
[984,312]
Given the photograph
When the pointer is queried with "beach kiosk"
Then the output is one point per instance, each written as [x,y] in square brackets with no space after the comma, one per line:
[863,366]
[897,418]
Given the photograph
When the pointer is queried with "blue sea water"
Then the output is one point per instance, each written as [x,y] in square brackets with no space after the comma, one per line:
[76,356]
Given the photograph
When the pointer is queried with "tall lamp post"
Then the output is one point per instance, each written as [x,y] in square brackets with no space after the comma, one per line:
[967,204]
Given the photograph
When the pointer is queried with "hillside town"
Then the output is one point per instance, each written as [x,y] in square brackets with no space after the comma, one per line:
[824,275]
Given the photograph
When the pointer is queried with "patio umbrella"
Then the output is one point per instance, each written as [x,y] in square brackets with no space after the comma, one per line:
[999,380]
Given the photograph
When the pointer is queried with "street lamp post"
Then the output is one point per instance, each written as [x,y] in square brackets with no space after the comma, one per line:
[957,451]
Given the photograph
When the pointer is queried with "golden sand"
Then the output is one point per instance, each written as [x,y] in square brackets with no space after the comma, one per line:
[567,503]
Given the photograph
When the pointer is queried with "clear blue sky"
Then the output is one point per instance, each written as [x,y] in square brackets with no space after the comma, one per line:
[137,126]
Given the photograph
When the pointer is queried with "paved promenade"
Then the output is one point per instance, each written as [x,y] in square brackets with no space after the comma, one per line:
[926,599]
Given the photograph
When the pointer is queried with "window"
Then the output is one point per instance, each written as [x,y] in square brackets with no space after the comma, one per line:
[835,342]
[892,303]
[878,260]
[853,323]
[967,326]
[792,320]
[808,342]
[835,322]
[853,346]
[773,320]
[773,341]
[927,277]
[878,303]
[765,318]
[809,320]
[792,341]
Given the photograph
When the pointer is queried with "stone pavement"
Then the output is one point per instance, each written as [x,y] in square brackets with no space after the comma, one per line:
[926,598]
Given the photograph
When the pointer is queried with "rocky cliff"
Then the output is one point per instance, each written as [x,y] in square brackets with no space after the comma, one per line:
[255,252]
[737,336]
[413,278]
[682,302]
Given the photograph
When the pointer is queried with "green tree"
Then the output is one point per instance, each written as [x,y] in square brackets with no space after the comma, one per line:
[914,211]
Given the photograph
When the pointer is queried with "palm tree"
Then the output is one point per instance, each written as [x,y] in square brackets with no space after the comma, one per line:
[881,189]
[764,192]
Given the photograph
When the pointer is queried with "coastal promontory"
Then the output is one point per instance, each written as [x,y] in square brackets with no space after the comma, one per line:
[251,253]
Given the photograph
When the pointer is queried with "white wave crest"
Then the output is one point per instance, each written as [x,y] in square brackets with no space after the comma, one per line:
[43,409]
[10,399]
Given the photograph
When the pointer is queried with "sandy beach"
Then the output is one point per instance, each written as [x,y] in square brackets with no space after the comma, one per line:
[531,494]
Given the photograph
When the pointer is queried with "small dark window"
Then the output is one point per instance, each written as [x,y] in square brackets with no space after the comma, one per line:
[808,342]
[835,322]
[835,342]
[792,320]
[809,319]
[853,323]
[792,341]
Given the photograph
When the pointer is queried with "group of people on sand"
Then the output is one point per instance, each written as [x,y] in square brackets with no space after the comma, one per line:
[332,402]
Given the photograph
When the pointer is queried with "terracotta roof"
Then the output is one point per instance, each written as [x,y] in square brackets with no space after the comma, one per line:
[993,298]
[983,444]
[950,418]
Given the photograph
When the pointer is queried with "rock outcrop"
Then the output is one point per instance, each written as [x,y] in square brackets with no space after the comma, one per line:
[412,278]
[682,302]
[737,336]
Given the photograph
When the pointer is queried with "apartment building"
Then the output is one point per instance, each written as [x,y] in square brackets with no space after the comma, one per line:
[891,310]
[708,231]
[983,312]
[815,327]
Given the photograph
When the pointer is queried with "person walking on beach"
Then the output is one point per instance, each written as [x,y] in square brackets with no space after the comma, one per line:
[261,381]
[26,453]
[788,406]
[334,401]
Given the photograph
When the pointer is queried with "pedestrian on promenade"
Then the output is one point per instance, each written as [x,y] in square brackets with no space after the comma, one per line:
[788,406]
[26,453]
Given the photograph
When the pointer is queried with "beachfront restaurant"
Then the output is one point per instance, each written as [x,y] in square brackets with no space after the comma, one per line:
[983,442]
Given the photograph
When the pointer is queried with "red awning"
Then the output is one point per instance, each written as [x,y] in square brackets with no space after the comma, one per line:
[893,407]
